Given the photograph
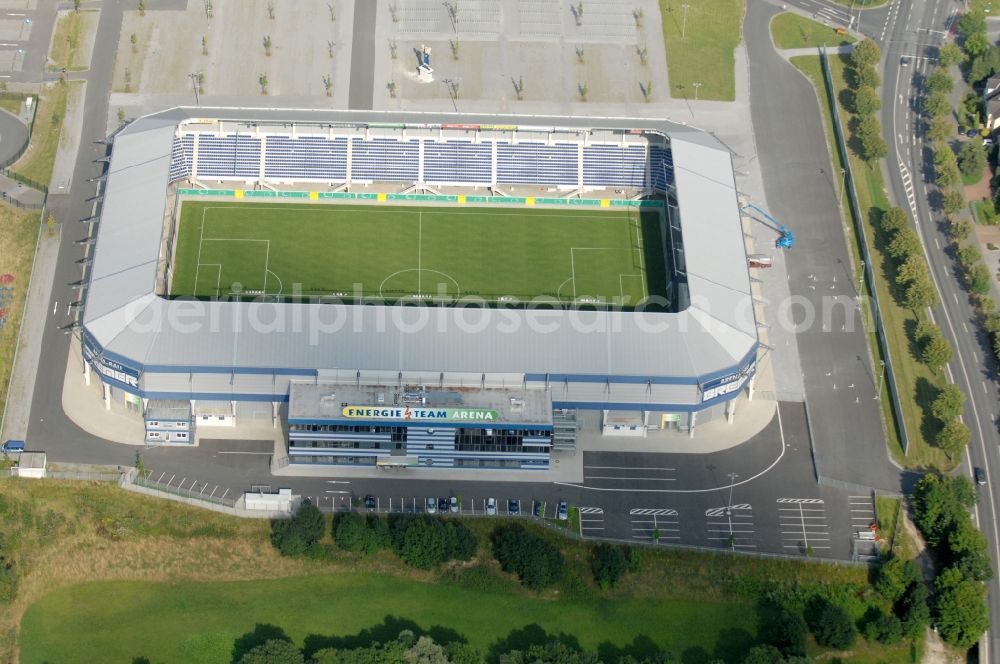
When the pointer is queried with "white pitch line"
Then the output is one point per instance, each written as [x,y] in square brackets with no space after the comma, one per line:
[420,247]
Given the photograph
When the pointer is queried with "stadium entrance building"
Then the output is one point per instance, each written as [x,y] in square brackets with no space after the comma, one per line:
[360,382]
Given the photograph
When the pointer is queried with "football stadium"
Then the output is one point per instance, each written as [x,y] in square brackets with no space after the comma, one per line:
[413,289]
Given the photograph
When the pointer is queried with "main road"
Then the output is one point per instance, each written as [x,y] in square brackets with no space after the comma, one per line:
[910,39]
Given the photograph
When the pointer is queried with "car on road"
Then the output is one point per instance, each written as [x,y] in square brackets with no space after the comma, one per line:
[904,62]
[563,511]
[536,508]
[454,504]
[431,506]
[491,506]
[370,501]
[980,476]
[442,505]
[513,507]
[12,446]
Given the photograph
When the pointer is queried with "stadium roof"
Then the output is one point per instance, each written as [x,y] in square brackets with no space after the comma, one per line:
[123,313]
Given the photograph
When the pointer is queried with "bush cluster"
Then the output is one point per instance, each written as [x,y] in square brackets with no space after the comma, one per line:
[941,511]
[537,562]
[420,540]
[863,80]
[301,534]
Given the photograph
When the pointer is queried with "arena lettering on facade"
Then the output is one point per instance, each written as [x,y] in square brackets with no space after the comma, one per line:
[419,413]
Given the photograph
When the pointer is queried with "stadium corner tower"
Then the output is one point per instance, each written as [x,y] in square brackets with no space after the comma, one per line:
[406,380]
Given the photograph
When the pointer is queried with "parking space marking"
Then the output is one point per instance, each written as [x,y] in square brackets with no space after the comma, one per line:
[862,512]
[731,526]
[591,521]
[628,474]
[803,524]
[663,522]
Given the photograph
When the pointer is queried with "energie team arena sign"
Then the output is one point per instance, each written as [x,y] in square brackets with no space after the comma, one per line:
[408,413]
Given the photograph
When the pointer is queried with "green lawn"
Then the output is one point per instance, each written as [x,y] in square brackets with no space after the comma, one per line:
[700,49]
[397,252]
[793,31]
[985,212]
[69,40]
[918,385]
[40,157]
[196,622]
[18,234]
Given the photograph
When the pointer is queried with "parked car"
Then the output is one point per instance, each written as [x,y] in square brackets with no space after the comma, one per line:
[442,505]
[563,512]
[491,506]
[370,501]
[904,62]
[12,446]
[972,133]
[454,504]
[431,506]
[513,507]
[980,476]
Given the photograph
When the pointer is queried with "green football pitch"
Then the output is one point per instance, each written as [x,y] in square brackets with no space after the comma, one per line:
[394,252]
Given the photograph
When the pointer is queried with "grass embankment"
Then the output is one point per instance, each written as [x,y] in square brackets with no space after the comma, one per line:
[793,31]
[705,52]
[70,42]
[985,212]
[918,385]
[173,583]
[18,234]
[38,161]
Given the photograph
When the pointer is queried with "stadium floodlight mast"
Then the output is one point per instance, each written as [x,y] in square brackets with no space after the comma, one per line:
[195,76]
[452,90]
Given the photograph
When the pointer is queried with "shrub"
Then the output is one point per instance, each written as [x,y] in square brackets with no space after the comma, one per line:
[424,542]
[351,532]
[834,628]
[971,158]
[883,627]
[786,630]
[895,576]
[608,563]
[535,560]
[273,651]
[913,610]
[295,536]
[962,614]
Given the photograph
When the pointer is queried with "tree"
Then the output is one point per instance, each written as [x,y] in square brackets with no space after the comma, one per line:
[920,294]
[834,627]
[134,40]
[949,403]
[939,81]
[270,9]
[204,45]
[894,220]
[936,104]
[968,550]
[968,255]
[608,563]
[267,45]
[906,243]
[537,561]
[960,230]
[867,77]
[950,55]
[971,159]
[351,533]
[977,278]
[873,149]
[883,627]
[895,576]
[295,536]
[970,23]
[865,54]
[940,128]
[913,610]
[142,7]
[938,503]
[121,115]
[786,630]
[866,101]
[976,44]
[273,651]
[953,438]
[262,81]
[962,614]
[914,268]
[952,202]
[425,651]
[867,127]
[763,655]
[936,353]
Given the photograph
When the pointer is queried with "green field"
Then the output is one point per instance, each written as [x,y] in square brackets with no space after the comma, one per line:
[199,622]
[432,253]
[793,31]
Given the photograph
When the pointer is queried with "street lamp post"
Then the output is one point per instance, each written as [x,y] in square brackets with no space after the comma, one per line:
[696,86]
[194,76]
[881,379]
[732,483]
[684,24]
